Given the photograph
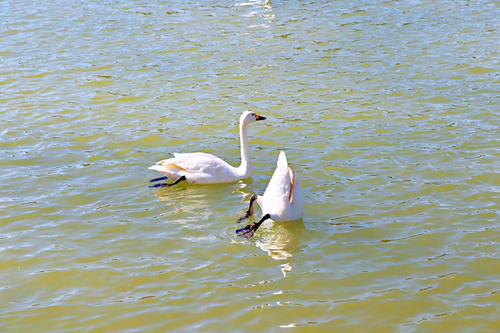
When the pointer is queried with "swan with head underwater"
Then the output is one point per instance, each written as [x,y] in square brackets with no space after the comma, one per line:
[282,201]
[203,168]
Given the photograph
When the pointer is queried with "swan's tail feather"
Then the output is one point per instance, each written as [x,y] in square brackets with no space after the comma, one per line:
[282,160]
[157,167]
[164,171]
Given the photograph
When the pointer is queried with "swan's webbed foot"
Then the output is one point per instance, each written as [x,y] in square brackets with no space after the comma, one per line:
[158,179]
[249,230]
[242,218]
[180,179]
[159,185]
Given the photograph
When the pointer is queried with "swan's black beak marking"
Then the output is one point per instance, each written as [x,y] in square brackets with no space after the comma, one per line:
[257,117]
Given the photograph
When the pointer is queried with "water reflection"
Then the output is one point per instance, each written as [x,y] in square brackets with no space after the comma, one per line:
[278,239]
[187,203]
[281,240]
[261,9]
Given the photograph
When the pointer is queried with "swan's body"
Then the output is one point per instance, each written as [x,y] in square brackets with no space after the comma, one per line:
[282,200]
[203,168]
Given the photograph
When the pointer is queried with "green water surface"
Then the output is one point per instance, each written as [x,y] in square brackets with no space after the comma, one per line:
[388,111]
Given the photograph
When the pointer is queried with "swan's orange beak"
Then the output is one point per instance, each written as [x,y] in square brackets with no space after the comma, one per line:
[257,117]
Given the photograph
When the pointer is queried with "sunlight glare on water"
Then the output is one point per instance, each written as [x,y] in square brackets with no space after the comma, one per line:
[388,111]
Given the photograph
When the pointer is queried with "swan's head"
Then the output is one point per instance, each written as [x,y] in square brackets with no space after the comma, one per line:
[248,117]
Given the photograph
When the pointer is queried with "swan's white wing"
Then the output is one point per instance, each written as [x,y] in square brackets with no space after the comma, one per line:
[198,168]
[199,162]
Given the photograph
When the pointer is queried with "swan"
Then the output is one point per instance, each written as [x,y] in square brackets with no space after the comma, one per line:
[203,168]
[282,201]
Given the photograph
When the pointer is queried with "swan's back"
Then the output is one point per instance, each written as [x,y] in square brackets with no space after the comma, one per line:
[199,168]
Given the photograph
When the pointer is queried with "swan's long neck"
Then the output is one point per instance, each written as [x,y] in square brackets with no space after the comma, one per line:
[245,167]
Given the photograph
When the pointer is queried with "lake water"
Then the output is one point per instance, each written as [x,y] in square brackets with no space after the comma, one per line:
[388,111]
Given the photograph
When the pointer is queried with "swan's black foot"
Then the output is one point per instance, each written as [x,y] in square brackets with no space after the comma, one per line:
[246,232]
[168,185]
[241,219]
[249,230]
[249,211]
[159,185]
[158,179]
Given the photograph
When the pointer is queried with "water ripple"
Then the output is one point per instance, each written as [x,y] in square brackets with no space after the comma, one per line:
[387,111]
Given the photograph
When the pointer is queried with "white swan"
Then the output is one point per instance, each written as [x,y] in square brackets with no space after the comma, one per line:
[282,201]
[203,168]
